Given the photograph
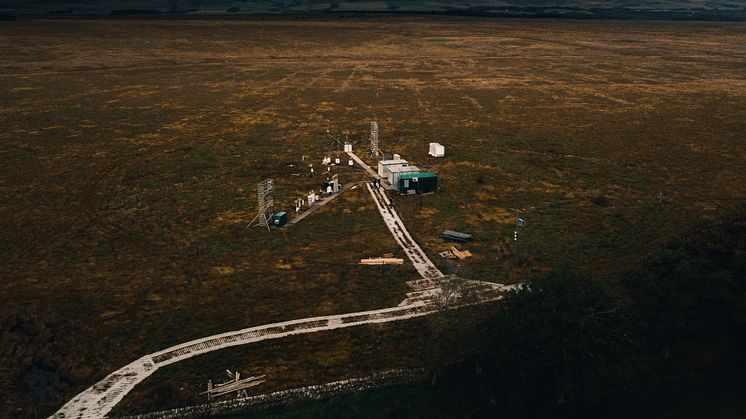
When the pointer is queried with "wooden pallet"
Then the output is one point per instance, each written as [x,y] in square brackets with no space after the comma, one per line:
[454,253]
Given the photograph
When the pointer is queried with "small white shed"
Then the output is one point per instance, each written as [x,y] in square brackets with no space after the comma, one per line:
[437,150]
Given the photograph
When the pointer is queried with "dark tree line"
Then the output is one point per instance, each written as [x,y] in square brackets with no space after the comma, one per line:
[566,343]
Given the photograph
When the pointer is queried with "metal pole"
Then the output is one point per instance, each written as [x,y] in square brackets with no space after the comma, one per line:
[419,196]
[518,225]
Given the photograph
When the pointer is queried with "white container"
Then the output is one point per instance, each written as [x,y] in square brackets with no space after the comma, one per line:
[348,148]
[397,157]
[392,174]
[437,150]
[383,164]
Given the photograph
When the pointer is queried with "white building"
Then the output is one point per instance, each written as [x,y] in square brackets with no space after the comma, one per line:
[437,150]
[393,173]
[383,164]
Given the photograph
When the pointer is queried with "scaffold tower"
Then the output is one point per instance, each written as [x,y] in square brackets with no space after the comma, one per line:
[374,150]
[265,203]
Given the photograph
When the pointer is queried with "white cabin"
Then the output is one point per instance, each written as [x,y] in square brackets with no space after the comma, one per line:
[437,150]
[393,173]
[383,164]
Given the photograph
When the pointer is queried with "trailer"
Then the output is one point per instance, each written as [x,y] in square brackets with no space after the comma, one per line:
[394,173]
[456,236]
[417,183]
[280,219]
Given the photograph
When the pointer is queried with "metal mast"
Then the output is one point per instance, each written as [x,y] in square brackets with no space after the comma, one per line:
[519,224]
[265,195]
[374,150]
[334,139]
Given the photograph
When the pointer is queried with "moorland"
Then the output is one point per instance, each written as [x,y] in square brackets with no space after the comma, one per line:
[131,150]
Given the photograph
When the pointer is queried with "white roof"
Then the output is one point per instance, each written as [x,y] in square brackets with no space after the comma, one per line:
[388,162]
[406,169]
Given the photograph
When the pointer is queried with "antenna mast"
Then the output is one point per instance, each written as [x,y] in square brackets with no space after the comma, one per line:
[334,139]
[519,224]
[374,150]
[265,195]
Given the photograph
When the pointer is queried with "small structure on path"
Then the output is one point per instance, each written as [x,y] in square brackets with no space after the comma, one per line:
[234,385]
[331,186]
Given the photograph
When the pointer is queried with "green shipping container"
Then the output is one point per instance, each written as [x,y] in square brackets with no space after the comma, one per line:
[280,219]
[417,183]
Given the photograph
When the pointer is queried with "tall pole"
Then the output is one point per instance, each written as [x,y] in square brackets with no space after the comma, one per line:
[519,223]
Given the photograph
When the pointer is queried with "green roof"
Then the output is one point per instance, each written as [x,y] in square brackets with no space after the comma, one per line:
[418,175]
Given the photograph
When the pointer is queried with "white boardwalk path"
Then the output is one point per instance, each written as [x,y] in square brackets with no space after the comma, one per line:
[421,262]
[98,400]
[429,287]
[368,169]
[362,164]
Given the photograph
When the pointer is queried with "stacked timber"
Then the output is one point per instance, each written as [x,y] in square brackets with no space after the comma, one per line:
[382,261]
[454,253]
[460,254]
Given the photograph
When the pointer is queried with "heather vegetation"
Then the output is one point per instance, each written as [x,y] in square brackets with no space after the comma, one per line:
[567,346]
[131,149]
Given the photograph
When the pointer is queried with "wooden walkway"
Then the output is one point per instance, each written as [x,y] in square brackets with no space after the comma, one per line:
[384,183]
[425,267]
[98,400]
[318,204]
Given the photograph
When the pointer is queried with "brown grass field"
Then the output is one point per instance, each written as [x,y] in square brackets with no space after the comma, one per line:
[577,123]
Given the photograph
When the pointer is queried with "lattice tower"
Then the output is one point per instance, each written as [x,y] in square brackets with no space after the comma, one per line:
[374,150]
[265,195]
